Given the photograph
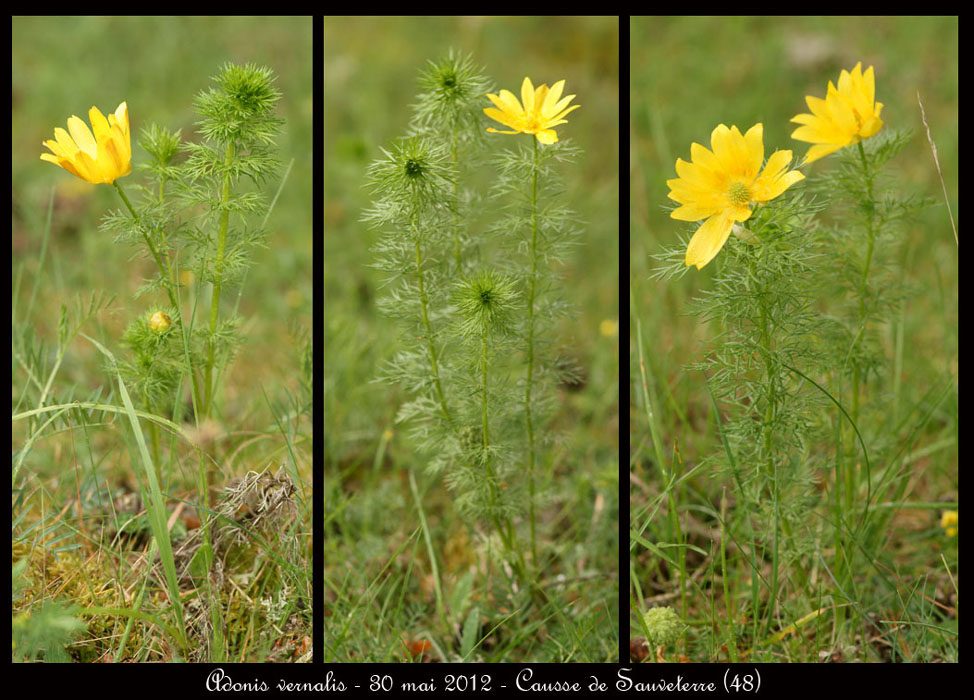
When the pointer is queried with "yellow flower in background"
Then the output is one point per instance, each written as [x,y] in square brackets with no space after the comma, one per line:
[542,110]
[948,521]
[722,185]
[101,158]
[847,115]
[609,327]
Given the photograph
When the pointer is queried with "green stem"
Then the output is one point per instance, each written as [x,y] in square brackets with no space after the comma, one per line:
[456,196]
[483,385]
[164,270]
[769,418]
[485,443]
[221,247]
[864,282]
[851,473]
[532,283]
[427,326]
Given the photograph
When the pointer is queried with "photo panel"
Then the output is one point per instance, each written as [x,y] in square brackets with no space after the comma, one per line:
[161,354]
[471,326]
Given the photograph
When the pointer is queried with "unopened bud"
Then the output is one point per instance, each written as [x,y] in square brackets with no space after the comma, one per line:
[160,322]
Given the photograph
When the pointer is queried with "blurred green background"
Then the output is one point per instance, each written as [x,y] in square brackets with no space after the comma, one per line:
[371,70]
[64,65]
[689,74]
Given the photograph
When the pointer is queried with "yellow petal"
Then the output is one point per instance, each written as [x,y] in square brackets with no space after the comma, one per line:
[508,103]
[693,211]
[697,175]
[775,180]
[840,112]
[503,117]
[551,99]
[817,106]
[804,118]
[65,142]
[540,95]
[99,124]
[821,150]
[871,127]
[82,136]
[812,134]
[869,85]
[720,145]
[547,136]
[739,212]
[708,240]
[703,157]
[527,93]
[122,115]
[845,83]
[754,143]
[498,102]
[561,115]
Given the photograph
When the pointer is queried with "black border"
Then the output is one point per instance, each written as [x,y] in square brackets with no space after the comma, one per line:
[624,516]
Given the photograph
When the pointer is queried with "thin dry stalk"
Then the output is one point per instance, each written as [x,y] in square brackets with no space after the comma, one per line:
[933,148]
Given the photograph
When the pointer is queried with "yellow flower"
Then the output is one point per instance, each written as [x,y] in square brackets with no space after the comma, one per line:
[948,521]
[542,110]
[847,115]
[721,185]
[609,327]
[102,158]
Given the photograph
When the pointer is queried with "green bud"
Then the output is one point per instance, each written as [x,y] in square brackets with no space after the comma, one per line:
[485,303]
[663,626]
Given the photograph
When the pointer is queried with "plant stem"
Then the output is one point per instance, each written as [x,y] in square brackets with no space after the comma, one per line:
[864,283]
[164,270]
[851,471]
[428,328]
[221,247]
[532,282]
[456,196]
[771,474]
[483,384]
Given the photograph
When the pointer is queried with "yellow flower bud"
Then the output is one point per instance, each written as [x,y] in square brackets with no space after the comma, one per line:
[160,322]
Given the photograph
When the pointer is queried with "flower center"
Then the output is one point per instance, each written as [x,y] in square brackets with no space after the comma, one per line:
[738,193]
[531,123]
